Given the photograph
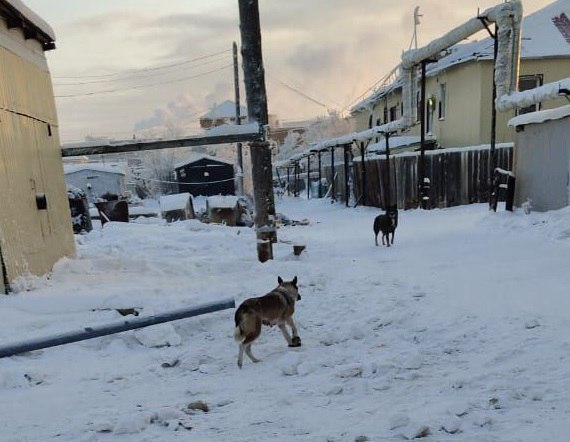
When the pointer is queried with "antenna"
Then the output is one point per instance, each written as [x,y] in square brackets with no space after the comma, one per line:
[417,16]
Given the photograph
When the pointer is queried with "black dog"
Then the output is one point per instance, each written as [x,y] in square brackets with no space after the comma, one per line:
[386,223]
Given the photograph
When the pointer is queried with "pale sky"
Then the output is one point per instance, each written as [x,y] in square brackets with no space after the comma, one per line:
[330,51]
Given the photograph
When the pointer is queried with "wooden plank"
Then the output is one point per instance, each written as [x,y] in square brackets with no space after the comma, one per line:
[161,144]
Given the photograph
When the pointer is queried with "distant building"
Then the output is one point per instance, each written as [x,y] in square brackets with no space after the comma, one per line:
[96,180]
[205,176]
[35,220]
[224,113]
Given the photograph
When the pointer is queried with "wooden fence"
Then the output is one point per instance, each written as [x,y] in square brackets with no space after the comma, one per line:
[457,176]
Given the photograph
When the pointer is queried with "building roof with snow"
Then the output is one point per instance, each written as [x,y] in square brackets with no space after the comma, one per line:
[73,168]
[17,14]
[545,34]
[195,159]
[227,109]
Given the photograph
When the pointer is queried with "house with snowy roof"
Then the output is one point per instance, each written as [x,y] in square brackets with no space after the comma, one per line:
[224,113]
[459,86]
[96,180]
[205,175]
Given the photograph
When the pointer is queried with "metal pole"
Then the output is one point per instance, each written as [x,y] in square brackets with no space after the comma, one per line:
[421,162]
[346,175]
[493,153]
[288,181]
[363,173]
[389,182]
[296,179]
[320,176]
[238,122]
[333,190]
[309,176]
[117,327]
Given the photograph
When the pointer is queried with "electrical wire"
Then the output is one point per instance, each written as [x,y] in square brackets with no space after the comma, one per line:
[203,57]
[298,91]
[109,91]
[149,74]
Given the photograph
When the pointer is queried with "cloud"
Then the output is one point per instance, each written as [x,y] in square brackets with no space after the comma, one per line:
[316,60]
[190,22]
[106,22]
[182,109]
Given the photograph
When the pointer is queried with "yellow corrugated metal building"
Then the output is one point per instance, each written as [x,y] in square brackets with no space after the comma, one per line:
[35,222]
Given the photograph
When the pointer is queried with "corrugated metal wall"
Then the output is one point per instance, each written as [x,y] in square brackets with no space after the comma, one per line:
[542,165]
[31,240]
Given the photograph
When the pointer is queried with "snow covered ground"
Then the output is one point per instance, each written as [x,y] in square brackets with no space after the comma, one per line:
[457,333]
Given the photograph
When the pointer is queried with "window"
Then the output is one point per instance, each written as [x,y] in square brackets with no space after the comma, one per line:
[441,104]
[527,82]
[378,123]
[430,113]
[370,119]
[385,114]
[394,113]
[418,107]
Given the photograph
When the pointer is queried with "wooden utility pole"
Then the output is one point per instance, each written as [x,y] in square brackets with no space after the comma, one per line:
[262,170]
[238,122]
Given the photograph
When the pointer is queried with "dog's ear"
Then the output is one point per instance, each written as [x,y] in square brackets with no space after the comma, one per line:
[279,280]
[294,282]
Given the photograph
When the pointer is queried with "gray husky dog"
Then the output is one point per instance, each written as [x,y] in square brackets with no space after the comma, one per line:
[274,308]
[386,223]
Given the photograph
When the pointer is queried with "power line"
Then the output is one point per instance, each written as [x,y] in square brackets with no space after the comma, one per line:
[203,57]
[149,74]
[143,86]
[298,91]
[373,86]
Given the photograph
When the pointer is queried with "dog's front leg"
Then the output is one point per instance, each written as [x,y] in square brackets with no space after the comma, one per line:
[296,340]
[285,333]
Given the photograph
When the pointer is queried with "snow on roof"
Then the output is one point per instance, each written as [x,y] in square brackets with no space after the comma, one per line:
[72,168]
[225,110]
[394,142]
[233,129]
[195,158]
[541,116]
[177,201]
[540,38]
[222,201]
[32,17]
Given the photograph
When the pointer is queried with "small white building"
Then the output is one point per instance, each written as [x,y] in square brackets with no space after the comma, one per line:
[542,159]
[96,180]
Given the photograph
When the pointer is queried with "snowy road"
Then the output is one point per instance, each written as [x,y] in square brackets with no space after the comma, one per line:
[457,333]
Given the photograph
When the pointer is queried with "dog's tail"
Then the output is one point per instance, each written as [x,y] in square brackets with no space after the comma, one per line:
[239,317]
[238,335]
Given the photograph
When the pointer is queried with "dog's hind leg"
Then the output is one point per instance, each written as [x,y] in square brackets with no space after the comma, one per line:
[376,239]
[249,354]
[240,355]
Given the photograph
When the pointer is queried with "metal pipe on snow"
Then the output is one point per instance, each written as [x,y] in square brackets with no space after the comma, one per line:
[117,327]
